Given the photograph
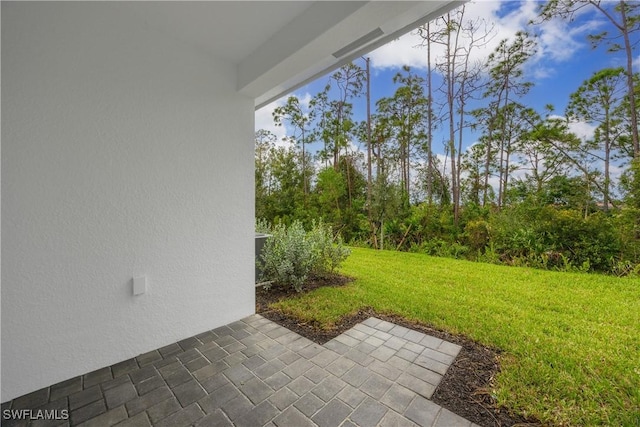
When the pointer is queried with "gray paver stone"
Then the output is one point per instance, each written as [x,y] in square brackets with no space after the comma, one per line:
[432,365]
[397,398]
[215,354]
[189,343]
[385,369]
[297,368]
[258,416]
[256,390]
[300,386]
[215,419]
[351,396]
[283,398]
[316,374]
[238,374]
[89,411]
[407,354]
[170,350]
[395,342]
[311,351]
[219,397]
[372,322]
[383,353]
[65,388]
[340,366]
[449,348]
[149,384]
[142,403]
[447,418]
[237,407]
[142,374]
[376,386]
[140,420]
[162,410]
[120,395]
[422,411]
[437,355]
[328,388]
[253,362]
[97,377]
[124,367]
[109,418]
[359,357]
[292,417]
[423,388]
[356,376]
[32,400]
[369,413]
[333,414]
[82,398]
[188,393]
[391,419]
[424,374]
[324,358]
[309,404]
[148,358]
[214,382]
[184,417]
[268,369]
[431,342]
[384,326]
[337,346]
[414,336]
[210,370]
[277,380]
[197,363]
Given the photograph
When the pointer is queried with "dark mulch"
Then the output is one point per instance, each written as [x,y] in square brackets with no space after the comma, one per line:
[465,388]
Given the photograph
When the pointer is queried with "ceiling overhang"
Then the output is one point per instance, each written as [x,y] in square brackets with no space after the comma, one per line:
[326,36]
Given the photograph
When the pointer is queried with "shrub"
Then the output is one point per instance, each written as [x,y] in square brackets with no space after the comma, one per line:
[328,256]
[291,254]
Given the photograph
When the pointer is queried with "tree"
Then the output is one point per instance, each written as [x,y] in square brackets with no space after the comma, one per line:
[402,113]
[624,17]
[505,70]
[301,120]
[264,143]
[596,101]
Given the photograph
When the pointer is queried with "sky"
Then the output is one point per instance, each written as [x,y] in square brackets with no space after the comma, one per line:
[564,59]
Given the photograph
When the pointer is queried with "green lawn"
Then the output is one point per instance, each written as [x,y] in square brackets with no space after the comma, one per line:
[571,342]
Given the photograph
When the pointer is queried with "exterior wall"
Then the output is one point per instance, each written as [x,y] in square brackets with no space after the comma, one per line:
[125,153]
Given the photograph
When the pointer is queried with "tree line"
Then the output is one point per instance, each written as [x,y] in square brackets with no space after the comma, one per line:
[528,192]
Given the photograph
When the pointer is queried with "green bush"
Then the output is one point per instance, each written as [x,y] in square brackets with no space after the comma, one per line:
[291,254]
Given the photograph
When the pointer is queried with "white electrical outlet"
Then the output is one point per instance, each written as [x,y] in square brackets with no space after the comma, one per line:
[139,285]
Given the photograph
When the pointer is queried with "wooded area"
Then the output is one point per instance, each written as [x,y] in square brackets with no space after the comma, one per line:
[529,192]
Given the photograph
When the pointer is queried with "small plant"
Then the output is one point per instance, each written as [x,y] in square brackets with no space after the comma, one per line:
[328,255]
[291,254]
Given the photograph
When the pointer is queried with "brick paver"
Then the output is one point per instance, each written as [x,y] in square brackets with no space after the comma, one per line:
[254,372]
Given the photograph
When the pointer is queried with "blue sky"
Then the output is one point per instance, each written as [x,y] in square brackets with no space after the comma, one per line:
[564,59]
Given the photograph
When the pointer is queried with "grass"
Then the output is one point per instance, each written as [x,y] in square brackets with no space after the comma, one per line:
[571,342]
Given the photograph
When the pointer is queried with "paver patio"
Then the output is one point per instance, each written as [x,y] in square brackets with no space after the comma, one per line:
[254,372]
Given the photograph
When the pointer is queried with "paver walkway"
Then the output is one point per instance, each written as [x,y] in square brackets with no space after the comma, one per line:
[254,372]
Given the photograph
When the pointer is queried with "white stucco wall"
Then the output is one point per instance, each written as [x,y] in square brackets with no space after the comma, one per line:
[125,153]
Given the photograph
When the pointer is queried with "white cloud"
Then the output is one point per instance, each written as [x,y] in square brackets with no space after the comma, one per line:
[636,64]
[264,120]
[558,40]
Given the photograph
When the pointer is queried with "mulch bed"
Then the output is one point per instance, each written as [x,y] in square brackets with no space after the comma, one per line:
[466,387]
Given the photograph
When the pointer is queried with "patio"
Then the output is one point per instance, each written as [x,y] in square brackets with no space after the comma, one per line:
[255,372]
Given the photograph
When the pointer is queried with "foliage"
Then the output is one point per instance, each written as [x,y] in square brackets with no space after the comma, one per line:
[291,254]
[569,341]
[530,192]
